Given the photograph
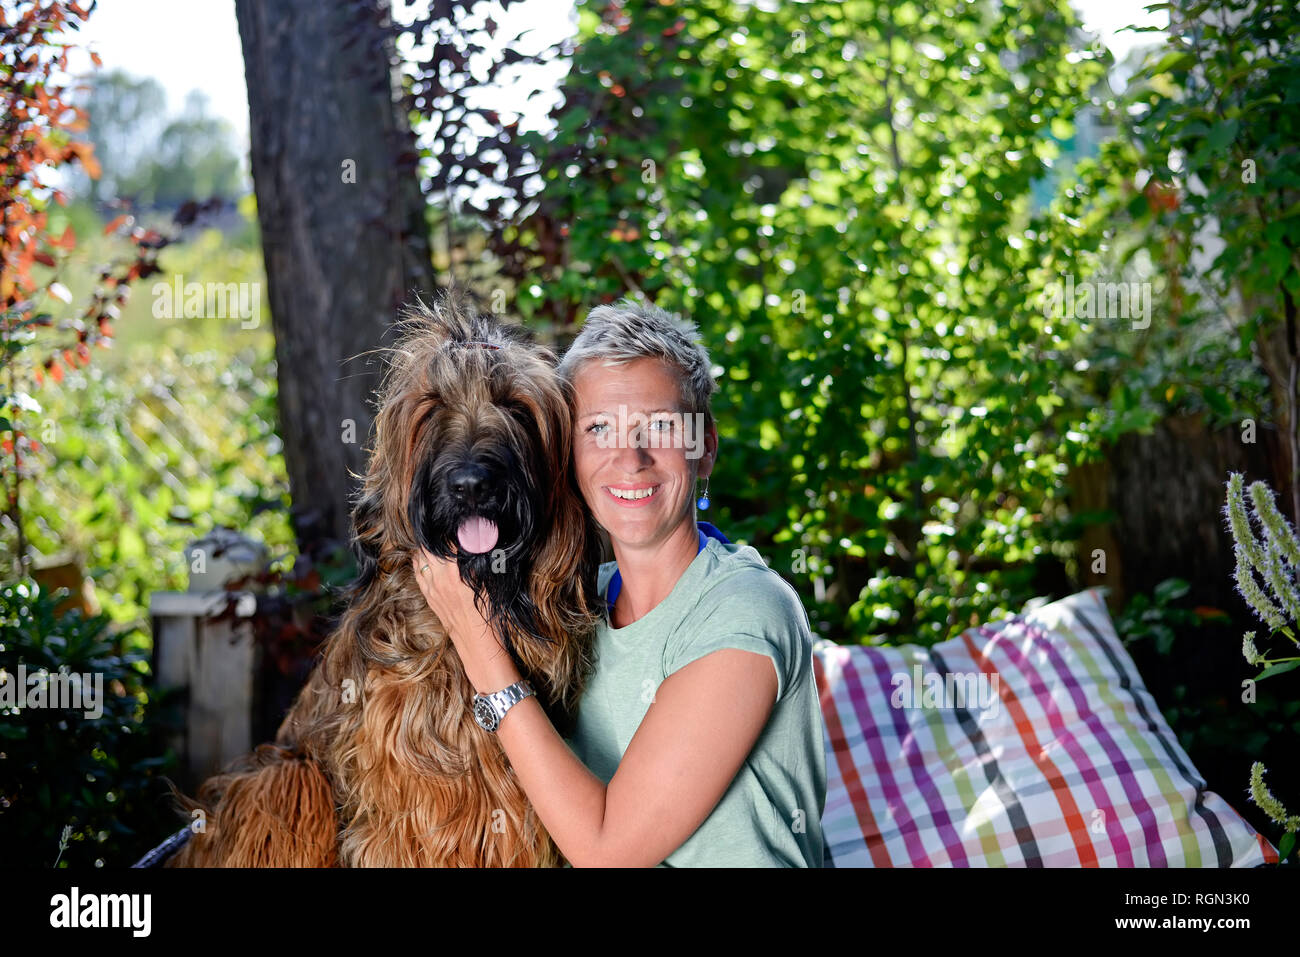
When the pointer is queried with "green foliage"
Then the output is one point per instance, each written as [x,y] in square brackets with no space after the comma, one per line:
[1156,617]
[161,440]
[1217,730]
[1217,124]
[1227,730]
[1205,186]
[1272,554]
[1273,558]
[97,776]
[840,194]
[193,159]
[124,116]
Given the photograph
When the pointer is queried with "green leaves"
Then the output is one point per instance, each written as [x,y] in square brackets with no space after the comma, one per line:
[1175,61]
[1210,119]
[846,203]
[159,441]
[1171,589]
[75,786]
[1157,618]
[1222,134]
[1281,669]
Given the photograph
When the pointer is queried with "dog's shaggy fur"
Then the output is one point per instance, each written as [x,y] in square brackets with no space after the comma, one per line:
[379,762]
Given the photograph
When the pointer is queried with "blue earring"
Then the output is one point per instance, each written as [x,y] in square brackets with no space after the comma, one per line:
[703,501]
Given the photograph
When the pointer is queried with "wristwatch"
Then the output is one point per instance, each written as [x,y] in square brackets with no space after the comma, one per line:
[489,709]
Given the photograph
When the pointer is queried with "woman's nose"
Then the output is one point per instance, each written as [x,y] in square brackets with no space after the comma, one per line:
[633,448]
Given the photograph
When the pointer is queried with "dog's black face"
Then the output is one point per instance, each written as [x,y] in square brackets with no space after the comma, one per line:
[478,500]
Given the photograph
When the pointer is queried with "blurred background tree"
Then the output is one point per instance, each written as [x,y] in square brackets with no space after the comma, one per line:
[125,116]
[192,156]
[148,159]
[343,233]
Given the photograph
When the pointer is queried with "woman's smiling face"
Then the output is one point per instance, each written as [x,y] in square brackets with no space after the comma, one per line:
[637,451]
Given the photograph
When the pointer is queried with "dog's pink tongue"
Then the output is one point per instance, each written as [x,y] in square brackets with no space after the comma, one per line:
[477,535]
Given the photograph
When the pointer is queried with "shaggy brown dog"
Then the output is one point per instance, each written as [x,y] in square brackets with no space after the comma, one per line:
[379,762]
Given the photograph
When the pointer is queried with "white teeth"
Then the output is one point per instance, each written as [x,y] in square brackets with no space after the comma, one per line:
[633,494]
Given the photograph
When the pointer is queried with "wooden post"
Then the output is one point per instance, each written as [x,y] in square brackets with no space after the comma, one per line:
[216,661]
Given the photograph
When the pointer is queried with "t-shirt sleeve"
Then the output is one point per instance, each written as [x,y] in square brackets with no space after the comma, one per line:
[758,613]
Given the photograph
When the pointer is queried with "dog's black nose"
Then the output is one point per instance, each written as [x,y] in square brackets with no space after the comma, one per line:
[468,483]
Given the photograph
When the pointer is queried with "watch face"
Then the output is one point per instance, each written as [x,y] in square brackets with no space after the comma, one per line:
[483,713]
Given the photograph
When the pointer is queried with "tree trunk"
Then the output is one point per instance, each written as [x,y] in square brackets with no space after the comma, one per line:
[342,251]
[1166,492]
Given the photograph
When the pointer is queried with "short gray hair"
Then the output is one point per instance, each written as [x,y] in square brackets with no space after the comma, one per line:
[630,330]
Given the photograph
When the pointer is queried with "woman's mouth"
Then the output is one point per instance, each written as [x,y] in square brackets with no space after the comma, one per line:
[634,497]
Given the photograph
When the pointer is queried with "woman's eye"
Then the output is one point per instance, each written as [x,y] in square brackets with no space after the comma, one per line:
[596,425]
[663,425]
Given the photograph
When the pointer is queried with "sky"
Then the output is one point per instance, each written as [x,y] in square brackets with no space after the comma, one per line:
[194,44]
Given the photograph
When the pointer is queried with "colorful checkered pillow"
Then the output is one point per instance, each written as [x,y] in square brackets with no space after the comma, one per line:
[1029,742]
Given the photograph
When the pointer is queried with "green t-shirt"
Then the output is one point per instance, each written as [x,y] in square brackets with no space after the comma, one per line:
[770,816]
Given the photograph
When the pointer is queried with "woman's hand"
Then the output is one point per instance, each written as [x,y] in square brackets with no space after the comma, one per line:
[486,662]
[449,597]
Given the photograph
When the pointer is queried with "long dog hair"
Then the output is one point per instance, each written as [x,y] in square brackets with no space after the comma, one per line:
[379,762]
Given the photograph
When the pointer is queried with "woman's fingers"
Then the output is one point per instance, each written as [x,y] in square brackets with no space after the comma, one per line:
[440,583]
[426,576]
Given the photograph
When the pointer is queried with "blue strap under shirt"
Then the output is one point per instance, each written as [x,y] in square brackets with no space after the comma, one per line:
[706,531]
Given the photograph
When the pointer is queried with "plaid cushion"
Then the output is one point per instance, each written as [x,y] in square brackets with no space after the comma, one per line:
[1049,752]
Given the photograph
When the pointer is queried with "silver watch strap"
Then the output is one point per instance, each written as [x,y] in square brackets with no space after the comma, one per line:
[502,701]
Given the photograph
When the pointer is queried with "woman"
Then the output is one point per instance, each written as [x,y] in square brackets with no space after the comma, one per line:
[699,736]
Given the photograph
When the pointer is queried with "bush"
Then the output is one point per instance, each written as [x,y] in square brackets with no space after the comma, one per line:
[82,791]
[1180,653]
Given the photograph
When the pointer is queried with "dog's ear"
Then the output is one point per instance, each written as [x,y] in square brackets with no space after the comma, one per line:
[367,537]
[419,508]
[569,556]
[563,589]
[567,501]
